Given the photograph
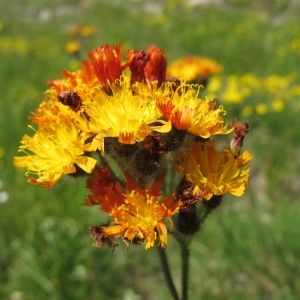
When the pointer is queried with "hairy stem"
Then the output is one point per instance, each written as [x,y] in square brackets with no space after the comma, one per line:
[167,273]
[185,255]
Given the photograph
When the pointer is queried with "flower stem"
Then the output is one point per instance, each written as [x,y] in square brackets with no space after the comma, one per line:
[167,273]
[185,255]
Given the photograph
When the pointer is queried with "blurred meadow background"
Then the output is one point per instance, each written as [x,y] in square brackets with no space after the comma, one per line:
[249,248]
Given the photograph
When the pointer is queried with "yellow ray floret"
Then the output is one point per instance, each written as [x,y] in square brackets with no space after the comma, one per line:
[54,150]
[126,115]
[212,172]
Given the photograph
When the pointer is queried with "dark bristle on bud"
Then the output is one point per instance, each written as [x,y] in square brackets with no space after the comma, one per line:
[126,150]
[213,203]
[188,222]
[174,139]
[122,150]
[147,163]
[154,144]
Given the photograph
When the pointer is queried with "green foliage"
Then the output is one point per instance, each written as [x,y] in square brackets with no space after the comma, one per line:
[247,249]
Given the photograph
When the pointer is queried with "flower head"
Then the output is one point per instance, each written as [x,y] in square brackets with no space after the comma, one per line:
[123,114]
[212,172]
[139,212]
[54,150]
[187,112]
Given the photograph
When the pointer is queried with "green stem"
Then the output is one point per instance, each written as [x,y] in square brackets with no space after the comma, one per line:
[167,273]
[185,255]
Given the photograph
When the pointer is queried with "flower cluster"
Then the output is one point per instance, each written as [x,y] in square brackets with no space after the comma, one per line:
[123,106]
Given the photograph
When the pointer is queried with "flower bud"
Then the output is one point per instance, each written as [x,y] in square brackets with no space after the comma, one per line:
[156,67]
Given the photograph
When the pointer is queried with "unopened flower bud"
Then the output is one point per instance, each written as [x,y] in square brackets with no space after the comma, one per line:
[156,67]
[107,64]
[137,62]
[188,221]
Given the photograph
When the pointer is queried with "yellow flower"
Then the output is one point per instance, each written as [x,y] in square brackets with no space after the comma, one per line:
[54,150]
[214,85]
[278,105]
[193,68]
[235,91]
[138,212]
[212,172]
[247,111]
[261,109]
[123,114]
[187,112]
[87,30]
[72,47]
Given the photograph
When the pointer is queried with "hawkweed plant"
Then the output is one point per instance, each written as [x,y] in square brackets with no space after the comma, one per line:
[129,108]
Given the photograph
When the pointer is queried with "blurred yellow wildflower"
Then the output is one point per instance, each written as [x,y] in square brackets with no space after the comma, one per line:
[84,31]
[250,80]
[87,30]
[72,47]
[261,109]
[16,45]
[214,85]
[235,92]
[247,110]
[193,68]
[278,105]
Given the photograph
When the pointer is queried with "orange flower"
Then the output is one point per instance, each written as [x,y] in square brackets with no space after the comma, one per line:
[187,112]
[139,213]
[81,81]
[107,64]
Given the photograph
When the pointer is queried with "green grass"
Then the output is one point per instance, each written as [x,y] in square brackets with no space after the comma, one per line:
[248,248]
